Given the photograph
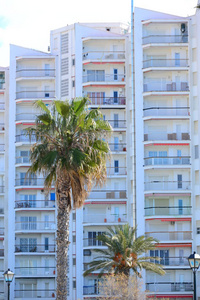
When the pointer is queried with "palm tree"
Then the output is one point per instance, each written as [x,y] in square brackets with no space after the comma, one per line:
[71,153]
[124,253]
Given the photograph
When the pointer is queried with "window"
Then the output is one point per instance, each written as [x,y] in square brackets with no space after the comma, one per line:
[95,75]
[74,239]
[115,96]
[27,245]
[74,261]
[116,120]
[196,151]
[27,201]
[28,223]
[74,216]
[198,230]
[163,254]
[179,179]
[52,196]
[116,166]
[74,284]
[73,83]
[46,244]
[47,69]
[116,143]
[115,72]
[73,61]
[180,206]
[92,238]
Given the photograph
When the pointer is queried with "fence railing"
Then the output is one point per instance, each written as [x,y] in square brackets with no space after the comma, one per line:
[157,62]
[151,39]
[166,136]
[169,286]
[168,210]
[36,248]
[38,225]
[35,73]
[35,204]
[103,55]
[107,101]
[105,77]
[167,185]
[35,94]
[166,160]
[166,111]
[165,86]
[102,218]
[170,235]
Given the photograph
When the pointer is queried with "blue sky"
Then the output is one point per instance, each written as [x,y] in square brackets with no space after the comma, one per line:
[28,23]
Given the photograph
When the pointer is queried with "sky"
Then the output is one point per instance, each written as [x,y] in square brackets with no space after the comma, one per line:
[28,23]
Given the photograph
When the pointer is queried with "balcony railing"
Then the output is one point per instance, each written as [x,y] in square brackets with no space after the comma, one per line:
[101,55]
[37,293]
[91,290]
[38,225]
[1,252]
[108,194]
[2,105]
[35,94]
[169,287]
[30,181]
[117,147]
[2,189]
[166,160]
[166,111]
[165,63]
[35,204]
[170,235]
[22,160]
[28,271]
[26,116]
[117,123]
[104,78]
[35,73]
[111,171]
[102,218]
[107,101]
[2,230]
[156,39]
[166,136]
[39,248]
[164,86]
[25,138]
[92,242]
[2,147]
[167,185]
[173,261]
[168,210]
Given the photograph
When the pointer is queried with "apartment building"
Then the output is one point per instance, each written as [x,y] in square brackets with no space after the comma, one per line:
[167,144]
[84,60]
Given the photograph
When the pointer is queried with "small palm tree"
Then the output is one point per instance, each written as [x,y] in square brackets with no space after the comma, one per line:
[124,253]
[71,153]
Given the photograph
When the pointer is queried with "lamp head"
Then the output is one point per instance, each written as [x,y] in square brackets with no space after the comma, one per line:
[194,261]
[8,275]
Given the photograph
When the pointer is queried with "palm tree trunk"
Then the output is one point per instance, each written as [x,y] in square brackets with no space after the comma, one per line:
[62,241]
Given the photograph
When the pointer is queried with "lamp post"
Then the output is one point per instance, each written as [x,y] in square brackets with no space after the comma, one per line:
[194,261]
[8,275]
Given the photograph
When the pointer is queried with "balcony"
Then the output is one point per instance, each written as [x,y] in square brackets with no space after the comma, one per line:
[173,261]
[35,95]
[104,55]
[91,290]
[35,73]
[2,105]
[167,161]
[35,271]
[92,242]
[169,287]
[26,116]
[22,160]
[165,86]
[25,138]
[21,204]
[165,39]
[114,78]
[107,194]
[39,248]
[116,171]
[168,210]
[30,182]
[170,235]
[165,63]
[34,226]
[103,218]
[117,147]
[166,136]
[166,112]
[101,101]
[37,293]
[117,124]
[167,185]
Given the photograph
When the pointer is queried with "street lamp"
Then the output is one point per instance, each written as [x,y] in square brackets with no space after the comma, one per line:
[8,275]
[194,261]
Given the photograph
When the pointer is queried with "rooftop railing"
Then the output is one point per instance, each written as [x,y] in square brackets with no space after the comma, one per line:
[166,136]
[169,287]
[104,78]
[157,62]
[35,73]
[156,39]
[170,235]
[166,160]
[34,271]
[165,86]
[35,94]
[39,248]
[34,204]
[102,218]
[103,55]
[38,225]
[167,185]
[107,101]
[166,111]
[168,210]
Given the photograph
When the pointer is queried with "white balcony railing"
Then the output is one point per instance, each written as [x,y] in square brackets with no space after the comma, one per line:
[104,78]
[156,39]
[170,235]
[35,293]
[32,226]
[166,111]
[104,55]
[165,63]
[165,86]
[107,100]
[26,116]
[35,94]
[165,160]
[169,287]
[24,204]
[103,218]
[166,136]
[107,194]
[168,210]
[167,185]
[112,171]
[35,271]
[35,73]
